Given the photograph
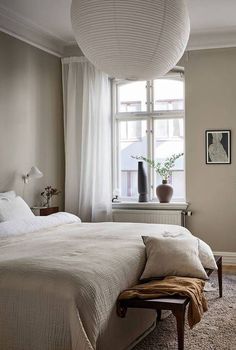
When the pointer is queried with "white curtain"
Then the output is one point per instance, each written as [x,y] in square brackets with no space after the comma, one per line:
[87,129]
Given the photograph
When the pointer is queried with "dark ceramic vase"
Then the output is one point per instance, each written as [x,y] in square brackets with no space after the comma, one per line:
[142,183]
[164,192]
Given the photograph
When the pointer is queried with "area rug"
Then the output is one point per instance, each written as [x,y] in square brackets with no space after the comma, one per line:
[216,331]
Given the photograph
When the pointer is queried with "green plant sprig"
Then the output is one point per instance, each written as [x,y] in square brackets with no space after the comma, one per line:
[164,169]
[49,192]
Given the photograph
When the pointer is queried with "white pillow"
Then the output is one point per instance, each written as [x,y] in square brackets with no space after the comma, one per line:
[206,256]
[8,195]
[14,209]
[172,256]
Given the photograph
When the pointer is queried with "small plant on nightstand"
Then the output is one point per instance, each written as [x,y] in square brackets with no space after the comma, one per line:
[48,193]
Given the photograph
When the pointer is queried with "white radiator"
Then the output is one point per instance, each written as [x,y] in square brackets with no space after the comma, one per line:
[173,217]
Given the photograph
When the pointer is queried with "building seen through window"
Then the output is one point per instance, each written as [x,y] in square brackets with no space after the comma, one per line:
[149,121]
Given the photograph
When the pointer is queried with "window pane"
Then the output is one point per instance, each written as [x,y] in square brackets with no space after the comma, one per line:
[177,181]
[166,129]
[132,97]
[168,140]
[131,131]
[168,95]
[134,144]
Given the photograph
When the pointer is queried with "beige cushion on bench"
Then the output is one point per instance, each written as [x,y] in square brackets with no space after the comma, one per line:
[172,256]
[206,256]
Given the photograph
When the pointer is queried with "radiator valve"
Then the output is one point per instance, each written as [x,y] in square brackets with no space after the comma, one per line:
[187,213]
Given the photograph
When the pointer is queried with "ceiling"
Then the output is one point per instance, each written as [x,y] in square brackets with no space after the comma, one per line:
[46,23]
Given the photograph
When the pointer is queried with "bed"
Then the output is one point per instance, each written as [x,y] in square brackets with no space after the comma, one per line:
[60,279]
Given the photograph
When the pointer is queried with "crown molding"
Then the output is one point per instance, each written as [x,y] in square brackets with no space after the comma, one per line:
[27,31]
[223,38]
[199,40]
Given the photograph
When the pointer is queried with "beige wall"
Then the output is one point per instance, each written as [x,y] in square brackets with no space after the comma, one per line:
[31,131]
[31,124]
[211,104]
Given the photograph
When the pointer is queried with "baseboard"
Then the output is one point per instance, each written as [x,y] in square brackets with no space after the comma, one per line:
[229,258]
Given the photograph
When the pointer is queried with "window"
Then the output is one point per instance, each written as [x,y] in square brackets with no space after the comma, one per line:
[148,121]
[132,97]
[131,130]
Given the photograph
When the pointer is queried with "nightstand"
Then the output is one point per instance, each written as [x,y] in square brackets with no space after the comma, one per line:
[48,211]
[44,211]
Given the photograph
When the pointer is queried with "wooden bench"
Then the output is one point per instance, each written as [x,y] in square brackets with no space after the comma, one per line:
[175,304]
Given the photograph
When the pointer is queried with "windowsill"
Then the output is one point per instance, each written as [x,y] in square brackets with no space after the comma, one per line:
[151,205]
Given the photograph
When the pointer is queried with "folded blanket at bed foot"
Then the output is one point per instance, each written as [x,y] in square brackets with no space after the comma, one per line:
[193,288]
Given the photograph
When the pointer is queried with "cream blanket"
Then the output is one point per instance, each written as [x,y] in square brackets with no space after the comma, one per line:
[58,287]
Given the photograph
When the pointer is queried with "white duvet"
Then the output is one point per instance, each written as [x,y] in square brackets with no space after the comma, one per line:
[59,285]
[36,223]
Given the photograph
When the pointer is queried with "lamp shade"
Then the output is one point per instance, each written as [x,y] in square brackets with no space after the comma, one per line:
[131,39]
[34,173]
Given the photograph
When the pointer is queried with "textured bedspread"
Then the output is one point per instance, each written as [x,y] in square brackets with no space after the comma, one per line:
[58,287]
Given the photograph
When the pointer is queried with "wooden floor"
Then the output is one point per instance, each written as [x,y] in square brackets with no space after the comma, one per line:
[229,268]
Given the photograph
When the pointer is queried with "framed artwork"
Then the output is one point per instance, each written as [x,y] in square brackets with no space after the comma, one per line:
[218,146]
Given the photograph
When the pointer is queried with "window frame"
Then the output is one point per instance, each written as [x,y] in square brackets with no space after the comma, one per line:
[150,116]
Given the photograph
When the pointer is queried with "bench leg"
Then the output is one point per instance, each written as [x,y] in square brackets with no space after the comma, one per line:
[158,315]
[219,265]
[180,317]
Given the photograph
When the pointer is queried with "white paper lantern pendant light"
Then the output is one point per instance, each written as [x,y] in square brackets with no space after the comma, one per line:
[131,39]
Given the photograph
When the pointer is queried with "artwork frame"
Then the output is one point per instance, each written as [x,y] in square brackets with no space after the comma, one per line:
[218,146]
